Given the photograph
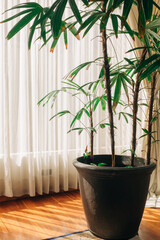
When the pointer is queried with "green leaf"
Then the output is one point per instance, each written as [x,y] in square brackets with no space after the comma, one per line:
[22,23]
[144,104]
[102,164]
[102,84]
[73,30]
[32,30]
[91,25]
[57,18]
[103,104]
[124,115]
[155,141]
[46,96]
[73,121]
[86,111]
[130,62]
[125,88]
[131,116]
[79,114]
[95,85]
[152,41]
[129,150]
[145,130]
[31,5]
[154,119]
[78,87]
[92,102]
[148,43]
[48,14]
[115,24]
[90,85]
[16,15]
[153,34]
[138,48]
[126,78]
[56,92]
[155,4]
[85,156]
[47,40]
[84,85]
[89,20]
[85,2]
[104,22]
[117,91]
[110,4]
[101,73]
[153,24]
[54,43]
[97,100]
[77,69]
[43,30]
[147,133]
[71,84]
[129,30]
[75,10]
[92,129]
[60,114]
[113,80]
[117,3]
[148,7]
[65,38]
[150,69]
[126,9]
[80,130]
[119,117]
[147,61]
[103,125]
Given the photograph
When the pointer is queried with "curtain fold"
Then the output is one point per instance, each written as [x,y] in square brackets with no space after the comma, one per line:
[36,154]
[154,189]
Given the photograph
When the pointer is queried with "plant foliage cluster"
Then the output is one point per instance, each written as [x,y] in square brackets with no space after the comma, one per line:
[129,74]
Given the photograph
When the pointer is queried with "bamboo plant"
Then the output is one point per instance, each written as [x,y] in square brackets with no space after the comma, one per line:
[89,101]
[92,100]
[52,25]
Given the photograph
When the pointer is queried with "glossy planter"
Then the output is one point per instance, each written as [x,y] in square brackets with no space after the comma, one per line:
[113,198]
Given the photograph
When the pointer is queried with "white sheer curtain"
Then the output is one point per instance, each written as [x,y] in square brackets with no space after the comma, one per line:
[36,154]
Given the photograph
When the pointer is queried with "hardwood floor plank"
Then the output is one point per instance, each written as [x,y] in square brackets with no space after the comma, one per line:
[150,225]
[3,227]
[50,216]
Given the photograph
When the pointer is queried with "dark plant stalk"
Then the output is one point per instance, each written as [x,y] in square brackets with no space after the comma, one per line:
[153,86]
[108,89]
[91,132]
[135,108]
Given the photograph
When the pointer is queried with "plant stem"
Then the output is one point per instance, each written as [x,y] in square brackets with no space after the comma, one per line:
[108,89]
[153,85]
[91,132]
[135,108]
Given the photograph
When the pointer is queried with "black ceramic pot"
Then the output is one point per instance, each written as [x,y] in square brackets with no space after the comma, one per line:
[113,198]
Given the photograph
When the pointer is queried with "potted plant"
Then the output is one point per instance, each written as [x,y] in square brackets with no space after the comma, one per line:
[114,193]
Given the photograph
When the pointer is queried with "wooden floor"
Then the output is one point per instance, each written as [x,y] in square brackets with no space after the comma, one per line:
[51,216]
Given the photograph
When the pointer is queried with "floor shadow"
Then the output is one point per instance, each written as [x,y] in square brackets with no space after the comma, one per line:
[135,238]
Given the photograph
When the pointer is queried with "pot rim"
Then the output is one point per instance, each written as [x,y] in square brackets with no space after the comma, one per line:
[138,169]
